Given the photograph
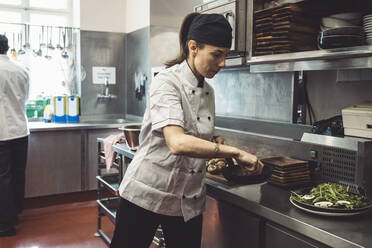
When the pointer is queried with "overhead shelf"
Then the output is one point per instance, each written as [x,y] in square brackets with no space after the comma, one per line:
[331,59]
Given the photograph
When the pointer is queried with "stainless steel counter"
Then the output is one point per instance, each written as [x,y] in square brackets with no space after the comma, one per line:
[272,203]
[42,126]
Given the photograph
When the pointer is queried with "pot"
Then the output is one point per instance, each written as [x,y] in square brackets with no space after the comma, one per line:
[234,174]
[131,133]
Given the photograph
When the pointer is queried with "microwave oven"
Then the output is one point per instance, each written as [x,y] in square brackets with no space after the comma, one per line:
[236,12]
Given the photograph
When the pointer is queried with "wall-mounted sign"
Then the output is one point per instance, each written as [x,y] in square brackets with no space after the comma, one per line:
[101,74]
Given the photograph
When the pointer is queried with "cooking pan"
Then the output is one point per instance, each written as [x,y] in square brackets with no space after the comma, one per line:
[234,174]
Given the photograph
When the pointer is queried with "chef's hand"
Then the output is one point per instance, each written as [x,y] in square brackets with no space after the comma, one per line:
[249,163]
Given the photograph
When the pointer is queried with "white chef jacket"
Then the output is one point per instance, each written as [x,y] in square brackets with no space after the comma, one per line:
[156,179]
[14,86]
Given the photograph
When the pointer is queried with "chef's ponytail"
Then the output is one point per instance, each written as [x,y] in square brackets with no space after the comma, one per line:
[184,50]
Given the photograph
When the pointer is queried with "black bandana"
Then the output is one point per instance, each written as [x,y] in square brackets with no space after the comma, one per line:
[211,29]
[3,44]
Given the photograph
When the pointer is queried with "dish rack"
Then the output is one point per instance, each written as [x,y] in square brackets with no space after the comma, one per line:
[108,197]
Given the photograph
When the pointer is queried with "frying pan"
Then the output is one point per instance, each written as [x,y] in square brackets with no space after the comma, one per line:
[234,174]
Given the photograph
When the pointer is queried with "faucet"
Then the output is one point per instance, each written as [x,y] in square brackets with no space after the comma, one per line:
[106,93]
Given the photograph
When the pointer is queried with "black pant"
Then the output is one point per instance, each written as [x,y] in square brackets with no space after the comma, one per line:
[13,158]
[135,228]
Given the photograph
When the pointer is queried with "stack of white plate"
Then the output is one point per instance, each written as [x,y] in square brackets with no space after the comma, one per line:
[367,25]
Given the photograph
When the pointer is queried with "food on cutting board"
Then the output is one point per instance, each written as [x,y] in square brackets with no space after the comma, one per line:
[327,195]
[215,165]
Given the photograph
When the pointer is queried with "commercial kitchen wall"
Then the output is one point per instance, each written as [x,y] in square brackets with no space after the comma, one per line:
[109,37]
[331,91]
[239,93]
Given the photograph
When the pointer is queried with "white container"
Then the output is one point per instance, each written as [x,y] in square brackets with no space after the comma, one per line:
[357,120]
[72,109]
[59,109]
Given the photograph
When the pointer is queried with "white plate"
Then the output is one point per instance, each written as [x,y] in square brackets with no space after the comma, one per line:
[325,213]
[347,15]
[366,17]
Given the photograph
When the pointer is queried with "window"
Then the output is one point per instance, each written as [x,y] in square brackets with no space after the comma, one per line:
[41,38]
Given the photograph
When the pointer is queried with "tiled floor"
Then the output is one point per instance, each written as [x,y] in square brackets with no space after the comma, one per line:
[66,226]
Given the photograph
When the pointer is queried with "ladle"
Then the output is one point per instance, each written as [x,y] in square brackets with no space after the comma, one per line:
[47,56]
[59,39]
[20,42]
[38,52]
[64,53]
[27,37]
[50,45]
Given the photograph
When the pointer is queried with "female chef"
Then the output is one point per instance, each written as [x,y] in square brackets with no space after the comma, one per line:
[164,183]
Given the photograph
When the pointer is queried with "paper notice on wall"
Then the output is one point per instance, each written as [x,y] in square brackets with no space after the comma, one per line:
[101,74]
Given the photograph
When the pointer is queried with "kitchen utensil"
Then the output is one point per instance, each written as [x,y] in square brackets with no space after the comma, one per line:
[59,39]
[64,53]
[47,56]
[131,133]
[69,40]
[20,50]
[38,52]
[234,174]
[13,51]
[27,37]
[50,45]
[42,44]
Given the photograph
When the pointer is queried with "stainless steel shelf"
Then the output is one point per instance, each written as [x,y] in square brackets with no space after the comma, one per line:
[358,57]
[109,206]
[110,182]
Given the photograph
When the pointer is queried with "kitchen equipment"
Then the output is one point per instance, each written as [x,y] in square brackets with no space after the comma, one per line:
[131,133]
[64,53]
[346,161]
[59,109]
[235,11]
[72,109]
[357,120]
[234,174]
